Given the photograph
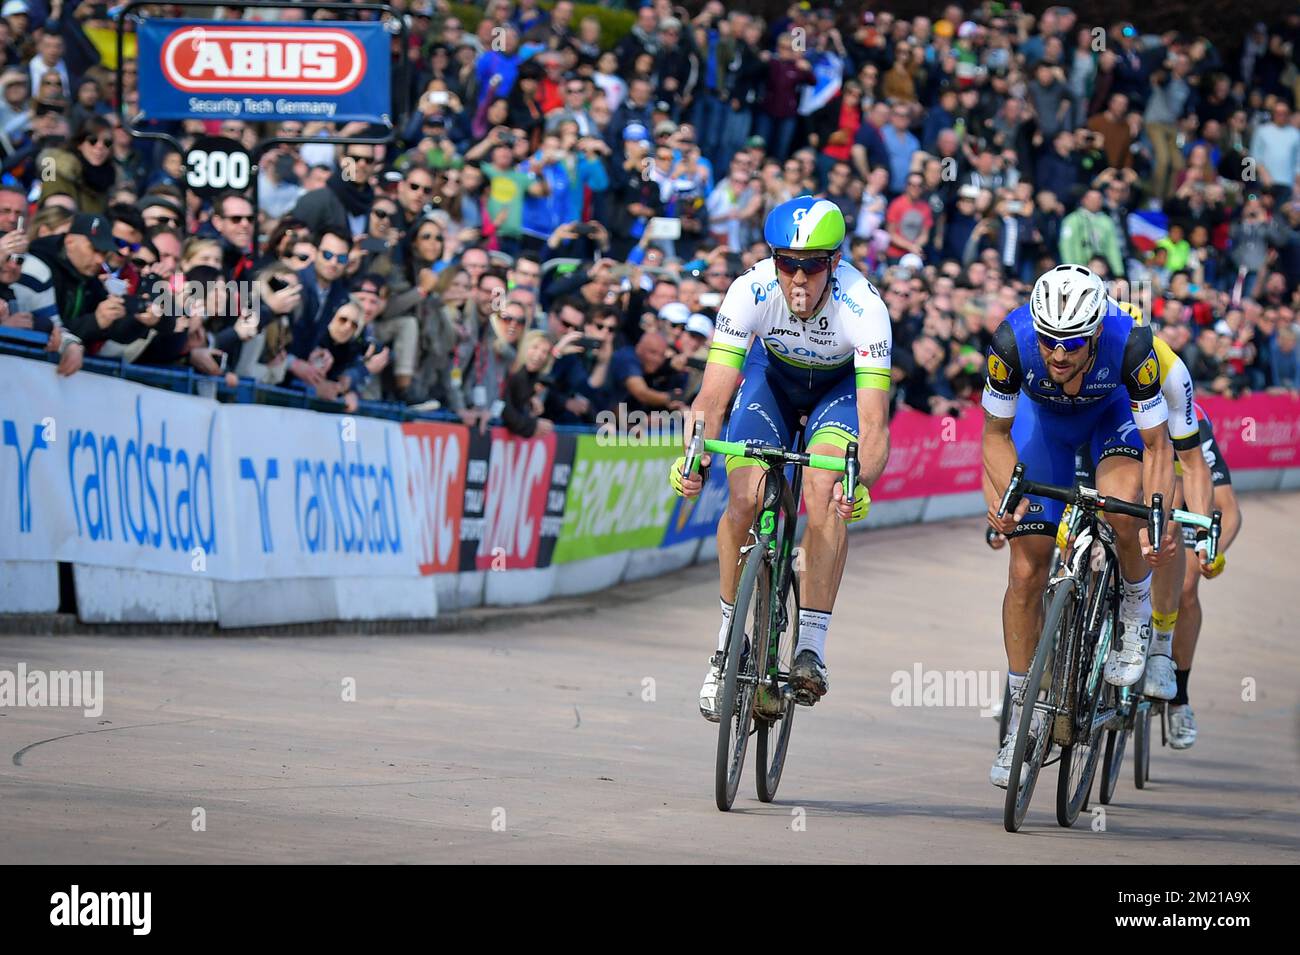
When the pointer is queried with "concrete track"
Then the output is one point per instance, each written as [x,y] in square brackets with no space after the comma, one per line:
[579,740]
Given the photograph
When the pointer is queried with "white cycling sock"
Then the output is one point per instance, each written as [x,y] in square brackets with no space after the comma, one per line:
[727,611]
[813,625]
[1162,627]
[1136,603]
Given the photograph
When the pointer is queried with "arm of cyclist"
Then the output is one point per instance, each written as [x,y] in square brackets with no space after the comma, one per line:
[732,334]
[1001,394]
[873,451]
[1140,372]
[716,389]
[1225,499]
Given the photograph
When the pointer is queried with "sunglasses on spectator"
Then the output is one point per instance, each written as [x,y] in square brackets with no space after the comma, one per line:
[426,236]
[125,246]
[381,213]
[514,321]
[170,221]
[140,263]
[301,256]
[1069,344]
[247,218]
[328,256]
[814,265]
[607,326]
[427,190]
[352,322]
[100,141]
[361,158]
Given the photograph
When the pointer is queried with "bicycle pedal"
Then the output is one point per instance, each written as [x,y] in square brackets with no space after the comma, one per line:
[805,697]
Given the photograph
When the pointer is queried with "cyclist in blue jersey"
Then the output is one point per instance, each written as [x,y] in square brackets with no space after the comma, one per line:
[1091,376]
[812,338]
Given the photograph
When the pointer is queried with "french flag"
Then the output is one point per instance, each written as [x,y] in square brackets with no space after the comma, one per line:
[1146,228]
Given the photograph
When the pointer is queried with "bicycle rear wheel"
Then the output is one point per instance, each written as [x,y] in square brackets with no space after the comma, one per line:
[1030,757]
[774,735]
[736,706]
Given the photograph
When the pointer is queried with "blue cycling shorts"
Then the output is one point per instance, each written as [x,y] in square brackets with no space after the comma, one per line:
[775,395]
[1047,443]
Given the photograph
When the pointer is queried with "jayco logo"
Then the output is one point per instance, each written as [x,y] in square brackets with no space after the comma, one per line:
[75,907]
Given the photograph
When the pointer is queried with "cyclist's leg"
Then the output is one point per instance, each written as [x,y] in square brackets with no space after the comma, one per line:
[1182,724]
[761,413]
[1166,591]
[1117,451]
[1046,444]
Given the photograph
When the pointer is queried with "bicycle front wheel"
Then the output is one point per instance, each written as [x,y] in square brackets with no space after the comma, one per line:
[774,735]
[736,706]
[1113,760]
[1030,750]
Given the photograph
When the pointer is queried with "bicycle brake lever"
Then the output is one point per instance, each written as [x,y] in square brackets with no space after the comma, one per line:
[693,448]
[1156,522]
[850,472]
[1011,497]
[1216,528]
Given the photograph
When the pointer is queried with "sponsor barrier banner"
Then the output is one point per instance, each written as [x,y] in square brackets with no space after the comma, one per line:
[1260,431]
[436,459]
[507,483]
[698,518]
[253,71]
[930,456]
[618,499]
[102,471]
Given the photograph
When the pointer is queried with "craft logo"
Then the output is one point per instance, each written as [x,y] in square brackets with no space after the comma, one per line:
[286,60]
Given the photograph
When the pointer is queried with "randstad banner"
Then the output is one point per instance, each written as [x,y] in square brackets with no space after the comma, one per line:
[98,470]
[219,69]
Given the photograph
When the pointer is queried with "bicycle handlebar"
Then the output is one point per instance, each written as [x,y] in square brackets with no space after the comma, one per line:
[1082,496]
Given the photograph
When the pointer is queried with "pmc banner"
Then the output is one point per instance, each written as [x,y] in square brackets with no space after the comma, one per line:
[204,69]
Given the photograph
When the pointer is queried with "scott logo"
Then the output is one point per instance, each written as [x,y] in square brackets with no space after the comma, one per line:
[257,59]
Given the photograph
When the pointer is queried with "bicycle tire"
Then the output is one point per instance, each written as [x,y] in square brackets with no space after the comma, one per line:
[1142,747]
[773,746]
[1113,762]
[1079,760]
[1016,803]
[736,707]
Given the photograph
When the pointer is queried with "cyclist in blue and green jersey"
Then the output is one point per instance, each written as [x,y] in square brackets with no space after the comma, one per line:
[811,337]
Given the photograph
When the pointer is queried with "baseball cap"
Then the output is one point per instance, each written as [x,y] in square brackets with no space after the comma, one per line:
[13,8]
[699,324]
[1222,327]
[675,312]
[635,131]
[756,142]
[912,261]
[665,128]
[969,192]
[967,29]
[95,228]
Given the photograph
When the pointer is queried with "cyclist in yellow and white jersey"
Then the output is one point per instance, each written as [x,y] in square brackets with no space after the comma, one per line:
[1196,486]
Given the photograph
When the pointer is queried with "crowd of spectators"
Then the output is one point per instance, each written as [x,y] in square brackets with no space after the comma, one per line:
[551,232]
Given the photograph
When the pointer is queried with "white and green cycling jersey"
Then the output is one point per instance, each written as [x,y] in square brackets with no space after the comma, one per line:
[853,326]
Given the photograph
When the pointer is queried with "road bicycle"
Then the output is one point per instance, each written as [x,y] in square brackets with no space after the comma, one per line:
[1082,619]
[756,696]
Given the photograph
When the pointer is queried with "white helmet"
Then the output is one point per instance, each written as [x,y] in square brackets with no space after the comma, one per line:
[1068,300]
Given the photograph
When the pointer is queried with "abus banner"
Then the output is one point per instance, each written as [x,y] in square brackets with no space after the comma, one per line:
[203,69]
